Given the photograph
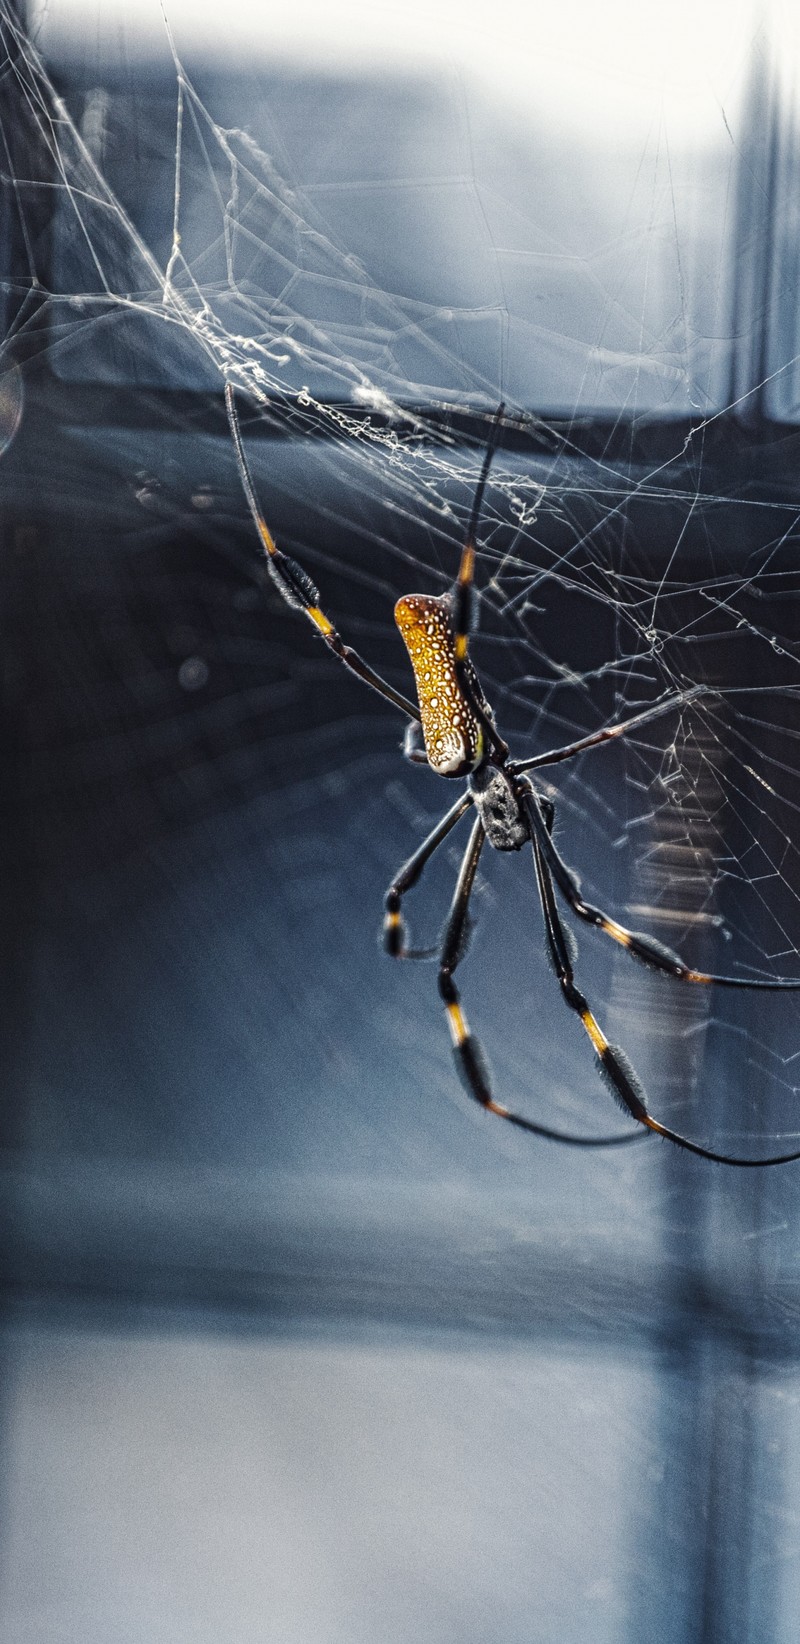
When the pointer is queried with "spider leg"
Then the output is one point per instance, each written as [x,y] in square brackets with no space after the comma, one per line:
[561,959]
[394,932]
[295,584]
[462,602]
[414,744]
[556,755]
[470,1061]
[645,948]
[463,593]
[614,1064]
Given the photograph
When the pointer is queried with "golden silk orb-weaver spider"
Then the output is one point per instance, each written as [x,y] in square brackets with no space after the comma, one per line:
[452,729]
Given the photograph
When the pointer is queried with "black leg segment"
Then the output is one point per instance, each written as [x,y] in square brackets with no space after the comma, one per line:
[394,931]
[644,948]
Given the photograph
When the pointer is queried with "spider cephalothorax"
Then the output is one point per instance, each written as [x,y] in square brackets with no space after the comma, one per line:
[459,738]
[498,798]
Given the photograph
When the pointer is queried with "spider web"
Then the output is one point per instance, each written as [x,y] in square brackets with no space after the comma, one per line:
[373,299]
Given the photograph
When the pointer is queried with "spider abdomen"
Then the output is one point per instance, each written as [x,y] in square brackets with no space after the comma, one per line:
[503,818]
[454,739]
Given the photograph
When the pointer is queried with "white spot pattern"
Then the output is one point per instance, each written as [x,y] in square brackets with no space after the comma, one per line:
[453,738]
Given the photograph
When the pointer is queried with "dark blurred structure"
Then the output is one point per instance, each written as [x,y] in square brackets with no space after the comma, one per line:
[297,1345]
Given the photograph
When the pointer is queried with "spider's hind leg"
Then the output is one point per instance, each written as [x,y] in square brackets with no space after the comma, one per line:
[562,952]
[646,949]
[613,1063]
[470,1061]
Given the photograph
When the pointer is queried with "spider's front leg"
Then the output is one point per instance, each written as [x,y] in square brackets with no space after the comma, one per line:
[394,930]
[414,744]
[295,585]
[470,1061]
[463,611]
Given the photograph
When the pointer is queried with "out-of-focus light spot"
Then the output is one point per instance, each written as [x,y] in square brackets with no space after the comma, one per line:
[334,784]
[247,599]
[147,491]
[193,674]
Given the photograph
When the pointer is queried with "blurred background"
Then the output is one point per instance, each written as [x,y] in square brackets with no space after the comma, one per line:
[296,1342]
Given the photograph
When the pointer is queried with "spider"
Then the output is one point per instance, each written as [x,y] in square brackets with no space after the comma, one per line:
[452,729]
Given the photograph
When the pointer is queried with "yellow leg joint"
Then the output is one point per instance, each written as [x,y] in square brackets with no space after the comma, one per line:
[467,565]
[458,1025]
[618,932]
[319,618]
[653,1124]
[266,536]
[595,1032]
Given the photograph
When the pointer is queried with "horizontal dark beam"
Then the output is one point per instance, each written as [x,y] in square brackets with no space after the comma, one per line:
[297,1253]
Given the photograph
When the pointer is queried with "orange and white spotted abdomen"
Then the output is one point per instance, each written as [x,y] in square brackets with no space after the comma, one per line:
[453,737]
